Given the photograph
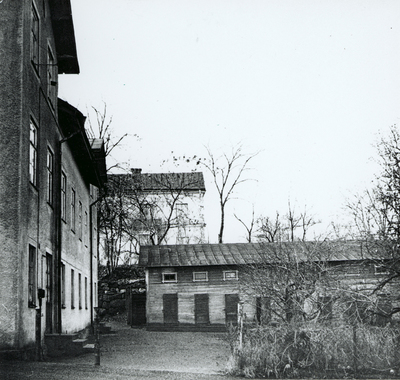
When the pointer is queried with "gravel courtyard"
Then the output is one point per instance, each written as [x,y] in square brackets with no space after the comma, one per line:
[195,352]
[136,353]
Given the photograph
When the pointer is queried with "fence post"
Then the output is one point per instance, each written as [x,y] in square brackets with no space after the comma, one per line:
[240,324]
[355,353]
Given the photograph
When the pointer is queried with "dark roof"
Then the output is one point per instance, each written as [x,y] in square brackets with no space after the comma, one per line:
[91,162]
[247,253]
[193,181]
[64,36]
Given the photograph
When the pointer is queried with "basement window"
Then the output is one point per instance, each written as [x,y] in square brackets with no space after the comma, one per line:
[169,277]
[200,276]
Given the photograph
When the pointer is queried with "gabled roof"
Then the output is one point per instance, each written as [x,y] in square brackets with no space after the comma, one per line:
[91,162]
[248,253]
[193,181]
[64,36]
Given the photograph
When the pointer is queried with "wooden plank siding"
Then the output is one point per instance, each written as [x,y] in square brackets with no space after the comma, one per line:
[186,288]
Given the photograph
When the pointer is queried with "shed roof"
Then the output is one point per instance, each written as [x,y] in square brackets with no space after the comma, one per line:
[248,253]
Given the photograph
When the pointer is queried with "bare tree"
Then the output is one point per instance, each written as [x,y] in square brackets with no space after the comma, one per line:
[249,227]
[286,276]
[103,130]
[376,215]
[227,172]
[289,227]
[144,209]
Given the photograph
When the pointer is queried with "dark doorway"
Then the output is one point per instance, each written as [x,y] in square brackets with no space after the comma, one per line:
[136,309]
[170,308]
[201,312]
[231,308]
[49,293]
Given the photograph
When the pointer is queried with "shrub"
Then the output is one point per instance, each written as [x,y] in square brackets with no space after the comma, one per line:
[314,350]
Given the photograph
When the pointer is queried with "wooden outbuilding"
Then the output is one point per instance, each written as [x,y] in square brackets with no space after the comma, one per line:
[201,287]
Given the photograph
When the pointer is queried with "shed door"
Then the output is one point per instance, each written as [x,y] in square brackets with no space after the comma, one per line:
[201,314]
[231,308]
[136,309]
[170,308]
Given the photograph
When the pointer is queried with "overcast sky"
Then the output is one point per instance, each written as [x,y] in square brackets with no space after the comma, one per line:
[310,84]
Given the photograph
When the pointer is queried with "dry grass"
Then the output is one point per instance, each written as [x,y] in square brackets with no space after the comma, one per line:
[290,351]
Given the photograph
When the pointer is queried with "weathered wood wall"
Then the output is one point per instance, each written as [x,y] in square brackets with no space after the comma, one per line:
[216,288]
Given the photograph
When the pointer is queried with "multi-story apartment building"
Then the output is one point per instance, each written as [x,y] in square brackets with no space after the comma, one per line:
[152,208]
[50,176]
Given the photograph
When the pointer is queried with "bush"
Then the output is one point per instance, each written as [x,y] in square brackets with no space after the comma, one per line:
[298,351]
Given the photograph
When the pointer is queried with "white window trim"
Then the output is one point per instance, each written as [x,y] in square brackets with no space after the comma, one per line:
[200,280]
[230,279]
[169,281]
[378,272]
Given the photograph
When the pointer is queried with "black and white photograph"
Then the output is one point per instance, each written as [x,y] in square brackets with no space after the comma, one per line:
[199,189]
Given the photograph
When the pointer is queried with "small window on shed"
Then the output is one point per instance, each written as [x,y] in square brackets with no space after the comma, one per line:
[200,276]
[230,275]
[169,277]
[381,269]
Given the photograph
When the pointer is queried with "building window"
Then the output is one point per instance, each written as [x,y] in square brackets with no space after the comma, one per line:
[86,226]
[80,290]
[34,38]
[182,211]
[51,77]
[230,275]
[169,277]
[86,294]
[32,277]
[49,276]
[73,200]
[63,196]
[95,295]
[200,276]
[63,285]
[80,220]
[33,147]
[381,269]
[72,289]
[50,171]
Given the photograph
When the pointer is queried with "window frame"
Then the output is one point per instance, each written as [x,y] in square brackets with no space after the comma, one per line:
[33,152]
[165,281]
[73,210]
[50,176]
[51,76]
[86,293]
[80,291]
[201,279]
[35,38]
[63,196]
[80,227]
[72,289]
[32,280]
[228,278]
